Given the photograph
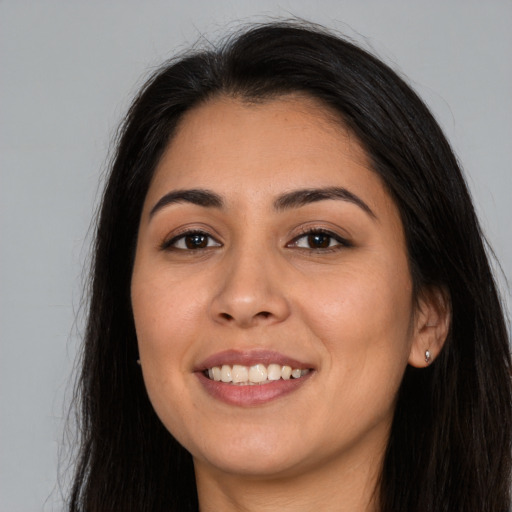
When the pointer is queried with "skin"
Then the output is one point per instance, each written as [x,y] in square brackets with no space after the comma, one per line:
[347,310]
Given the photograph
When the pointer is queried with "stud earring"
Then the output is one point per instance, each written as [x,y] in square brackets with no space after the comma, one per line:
[138,362]
[428,356]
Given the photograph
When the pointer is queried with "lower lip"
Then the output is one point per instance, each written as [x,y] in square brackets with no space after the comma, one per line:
[250,395]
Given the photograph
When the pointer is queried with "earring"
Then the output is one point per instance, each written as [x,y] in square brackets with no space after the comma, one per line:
[138,362]
[428,356]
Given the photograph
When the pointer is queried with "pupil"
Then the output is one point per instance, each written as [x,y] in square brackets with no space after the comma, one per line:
[319,241]
[196,241]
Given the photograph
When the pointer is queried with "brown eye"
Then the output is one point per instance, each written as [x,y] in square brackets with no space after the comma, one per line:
[196,241]
[192,241]
[319,240]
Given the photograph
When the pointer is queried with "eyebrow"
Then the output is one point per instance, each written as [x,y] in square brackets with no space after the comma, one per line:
[200,197]
[289,200]
[298,198]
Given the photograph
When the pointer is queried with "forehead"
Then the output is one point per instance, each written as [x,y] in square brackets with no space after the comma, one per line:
[260,149]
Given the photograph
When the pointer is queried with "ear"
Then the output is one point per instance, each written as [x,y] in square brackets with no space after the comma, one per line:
[431,326]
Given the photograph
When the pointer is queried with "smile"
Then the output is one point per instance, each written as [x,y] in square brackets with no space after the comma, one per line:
[242,375]
[251,378]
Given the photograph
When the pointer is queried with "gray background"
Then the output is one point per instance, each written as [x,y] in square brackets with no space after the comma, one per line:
[67,72]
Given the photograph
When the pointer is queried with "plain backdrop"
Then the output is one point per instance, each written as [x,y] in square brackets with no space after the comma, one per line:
[67,72]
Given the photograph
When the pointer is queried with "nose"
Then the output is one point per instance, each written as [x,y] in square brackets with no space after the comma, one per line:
[251,291]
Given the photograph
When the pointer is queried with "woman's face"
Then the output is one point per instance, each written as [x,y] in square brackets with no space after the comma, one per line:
[268,246]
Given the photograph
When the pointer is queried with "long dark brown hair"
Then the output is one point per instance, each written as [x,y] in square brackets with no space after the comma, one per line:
[450,444]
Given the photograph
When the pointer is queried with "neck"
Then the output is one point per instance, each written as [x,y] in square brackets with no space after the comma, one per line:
[352,488]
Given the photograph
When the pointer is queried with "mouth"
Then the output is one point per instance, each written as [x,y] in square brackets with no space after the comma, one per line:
[241,375]
[252,377]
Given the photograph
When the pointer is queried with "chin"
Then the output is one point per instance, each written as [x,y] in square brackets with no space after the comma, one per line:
[253,456]
[254,466]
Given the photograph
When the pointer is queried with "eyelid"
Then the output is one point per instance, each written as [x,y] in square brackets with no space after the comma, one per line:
[168,242]
[304,231]
[342,242]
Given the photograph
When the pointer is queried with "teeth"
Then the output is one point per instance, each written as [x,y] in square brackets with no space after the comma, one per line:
[296,373]
[257,374]
[240,373]
[216,373]
[286,372]
[273,372]
[225,373]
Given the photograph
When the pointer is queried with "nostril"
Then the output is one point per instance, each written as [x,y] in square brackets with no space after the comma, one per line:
[261,314]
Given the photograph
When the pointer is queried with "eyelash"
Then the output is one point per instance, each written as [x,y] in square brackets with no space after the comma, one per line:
[341,242]
[171,245]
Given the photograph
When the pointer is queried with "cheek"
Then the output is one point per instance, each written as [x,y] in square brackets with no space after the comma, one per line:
[164,310]
[363,325]
[165,316]
[367,300]
[363,319]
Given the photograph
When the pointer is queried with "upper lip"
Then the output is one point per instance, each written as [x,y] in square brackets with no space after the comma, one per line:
[250,358]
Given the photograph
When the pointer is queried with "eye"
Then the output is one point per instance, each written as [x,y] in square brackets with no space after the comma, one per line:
[191,241]
[319,240]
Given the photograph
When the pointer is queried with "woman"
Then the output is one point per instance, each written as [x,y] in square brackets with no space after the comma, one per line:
[288,249]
